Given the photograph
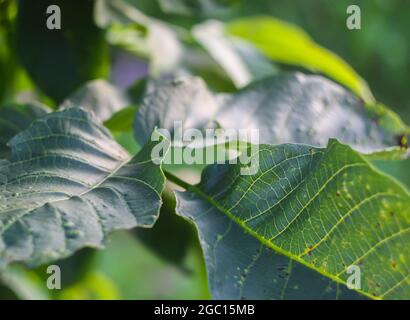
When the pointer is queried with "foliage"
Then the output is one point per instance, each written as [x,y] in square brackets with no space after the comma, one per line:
[325,209]
[60,61]
[78,109]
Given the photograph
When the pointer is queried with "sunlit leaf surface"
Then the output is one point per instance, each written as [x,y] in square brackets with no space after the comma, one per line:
[67,185]
[292,230]
[287,43]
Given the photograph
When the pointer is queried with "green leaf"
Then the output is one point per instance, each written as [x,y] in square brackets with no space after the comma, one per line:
[67,185]
[95,286]
[198,62]
[100,97]
[241,61]
[16,118]
[399,169]
[73,268]
[172,236]
[60,61]
[293,108]
[199,8]
[287,43]
[7,57]
[122,120]
[292,230]
[18,283]
[130,29]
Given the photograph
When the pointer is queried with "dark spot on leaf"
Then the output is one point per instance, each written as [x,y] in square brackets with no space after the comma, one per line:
[402,141]
[393,264]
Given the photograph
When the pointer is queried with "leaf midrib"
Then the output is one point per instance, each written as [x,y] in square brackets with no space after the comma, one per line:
[261,239]
[269,244]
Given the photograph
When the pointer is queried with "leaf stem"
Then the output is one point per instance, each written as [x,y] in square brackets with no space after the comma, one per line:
[173,178]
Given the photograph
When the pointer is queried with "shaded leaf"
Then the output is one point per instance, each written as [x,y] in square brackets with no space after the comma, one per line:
[60,61]
[287,43]
[7,56]
[292,230]
[285,108]
[100,97]
[74,268]
[16,118]
[242,62]
[171,237]
[67,185]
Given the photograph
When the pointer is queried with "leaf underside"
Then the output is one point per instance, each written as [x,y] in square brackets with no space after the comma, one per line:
[290,108]
[241,61]
[14,119]
[67,185]
[291,230]
[98,96]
